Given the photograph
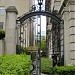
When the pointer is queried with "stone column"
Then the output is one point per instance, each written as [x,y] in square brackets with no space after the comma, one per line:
[66,36]
[31,27]
[31,36]
[10,38]
[72,30]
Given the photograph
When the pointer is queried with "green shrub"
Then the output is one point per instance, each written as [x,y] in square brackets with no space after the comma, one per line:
[57,70]
[46,65]
[2,34]
[15,65]
[64,70]
[20,49]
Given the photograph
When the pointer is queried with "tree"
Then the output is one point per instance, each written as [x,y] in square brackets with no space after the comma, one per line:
[43,45]
[43,42]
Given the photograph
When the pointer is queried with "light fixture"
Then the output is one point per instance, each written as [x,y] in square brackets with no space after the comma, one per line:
[40,2]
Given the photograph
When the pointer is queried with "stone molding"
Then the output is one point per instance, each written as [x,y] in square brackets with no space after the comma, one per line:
[57,1]
[71,2]
[12,9]
[65,10]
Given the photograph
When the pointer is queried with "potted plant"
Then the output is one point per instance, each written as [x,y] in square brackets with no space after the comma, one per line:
[2,34]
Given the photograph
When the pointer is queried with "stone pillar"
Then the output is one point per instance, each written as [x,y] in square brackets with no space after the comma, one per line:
[66,36]
[31,27]
[10,38]
[72,30]
[31,36]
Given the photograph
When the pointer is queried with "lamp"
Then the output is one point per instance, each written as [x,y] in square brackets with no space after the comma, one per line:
[40,2]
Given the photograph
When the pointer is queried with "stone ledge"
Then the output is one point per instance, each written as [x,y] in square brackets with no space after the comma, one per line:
[72,2]
[12,9]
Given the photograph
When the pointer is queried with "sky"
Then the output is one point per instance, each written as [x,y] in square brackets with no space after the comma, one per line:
[37,2]
[43,23]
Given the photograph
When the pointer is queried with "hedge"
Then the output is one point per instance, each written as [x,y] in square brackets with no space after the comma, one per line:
[46,67]
[20,49]
[15,64]
[64,70]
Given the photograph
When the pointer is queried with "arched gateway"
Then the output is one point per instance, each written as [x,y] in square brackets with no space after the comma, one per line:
[35,13]
[57,23]
[10,40]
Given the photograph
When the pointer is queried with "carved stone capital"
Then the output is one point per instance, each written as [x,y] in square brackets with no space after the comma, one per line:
[12,9]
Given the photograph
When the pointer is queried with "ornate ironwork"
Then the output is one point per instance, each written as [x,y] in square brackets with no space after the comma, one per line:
[40,9]
[37,10]
[40,2]
[45,13]
[58,46]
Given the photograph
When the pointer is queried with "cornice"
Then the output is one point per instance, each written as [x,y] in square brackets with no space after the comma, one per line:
[71,2]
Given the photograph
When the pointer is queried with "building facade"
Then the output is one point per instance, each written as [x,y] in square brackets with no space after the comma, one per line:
[25,37]
[66,10]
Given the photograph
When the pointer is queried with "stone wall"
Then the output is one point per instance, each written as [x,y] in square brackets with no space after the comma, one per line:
[66,8]
[9,21]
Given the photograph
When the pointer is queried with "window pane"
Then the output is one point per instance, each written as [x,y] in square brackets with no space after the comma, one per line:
[1,25]
[2,10]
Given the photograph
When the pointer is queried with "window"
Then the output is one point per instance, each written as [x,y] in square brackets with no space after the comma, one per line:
[2,10]
[1,25]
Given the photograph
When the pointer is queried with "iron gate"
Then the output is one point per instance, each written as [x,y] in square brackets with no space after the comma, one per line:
[28,19]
